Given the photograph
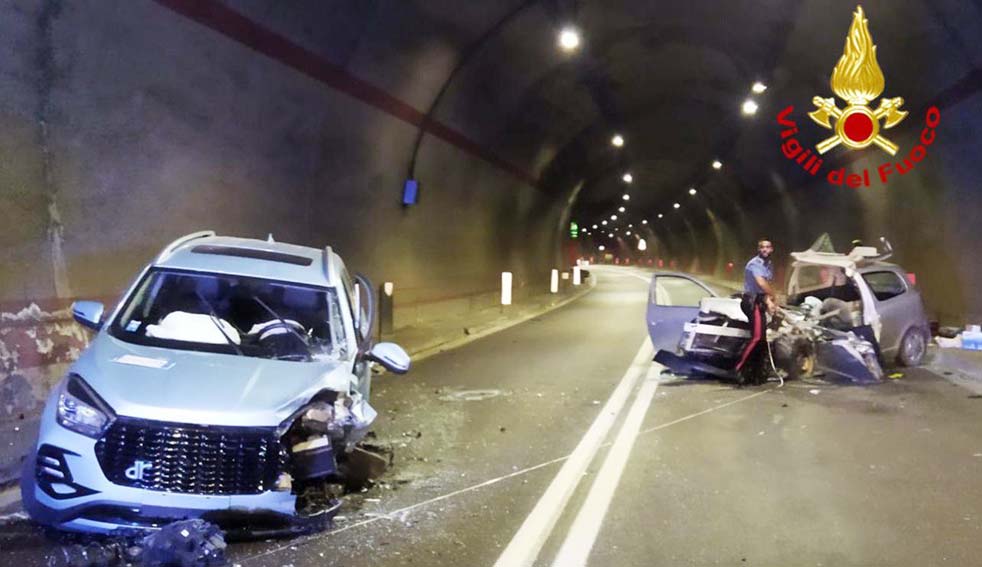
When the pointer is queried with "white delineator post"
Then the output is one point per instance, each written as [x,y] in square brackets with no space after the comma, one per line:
[554,282]
[506,288]
[576,275]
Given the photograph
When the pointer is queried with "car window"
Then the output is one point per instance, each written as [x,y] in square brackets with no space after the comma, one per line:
[885,285]
[353,302]
[676,291]
[232,314]
[819,277]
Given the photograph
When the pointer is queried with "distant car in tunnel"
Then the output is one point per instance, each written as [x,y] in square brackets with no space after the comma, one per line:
[853,291]
[231,380]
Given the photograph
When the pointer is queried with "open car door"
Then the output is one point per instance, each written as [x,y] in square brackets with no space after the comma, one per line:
[673,301]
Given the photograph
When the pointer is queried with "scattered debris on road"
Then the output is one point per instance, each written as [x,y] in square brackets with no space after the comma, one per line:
[190,543]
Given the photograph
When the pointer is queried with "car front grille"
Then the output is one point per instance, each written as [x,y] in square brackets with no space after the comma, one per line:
[191,459]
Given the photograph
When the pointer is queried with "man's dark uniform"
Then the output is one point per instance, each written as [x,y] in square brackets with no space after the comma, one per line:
[753,364]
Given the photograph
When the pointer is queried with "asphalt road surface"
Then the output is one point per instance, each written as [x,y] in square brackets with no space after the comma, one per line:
[559,442]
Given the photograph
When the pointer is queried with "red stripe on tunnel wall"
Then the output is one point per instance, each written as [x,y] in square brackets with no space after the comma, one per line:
[222,19]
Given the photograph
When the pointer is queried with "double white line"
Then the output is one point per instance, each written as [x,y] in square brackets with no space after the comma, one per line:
[524,548]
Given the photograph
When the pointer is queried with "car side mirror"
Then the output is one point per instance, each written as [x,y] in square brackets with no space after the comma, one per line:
[391,356]
[88,314]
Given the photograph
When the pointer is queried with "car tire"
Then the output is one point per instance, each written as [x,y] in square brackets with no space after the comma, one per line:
[913,347]
[796,357]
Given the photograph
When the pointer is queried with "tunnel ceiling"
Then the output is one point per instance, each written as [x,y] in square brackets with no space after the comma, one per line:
[671,78]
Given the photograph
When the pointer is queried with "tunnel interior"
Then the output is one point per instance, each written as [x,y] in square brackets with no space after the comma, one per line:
[233,227]
[128,124]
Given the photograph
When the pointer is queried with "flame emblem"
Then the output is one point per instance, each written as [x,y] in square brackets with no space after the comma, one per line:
[857,79]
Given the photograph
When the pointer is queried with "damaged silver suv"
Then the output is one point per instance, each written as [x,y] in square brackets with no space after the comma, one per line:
[229,384]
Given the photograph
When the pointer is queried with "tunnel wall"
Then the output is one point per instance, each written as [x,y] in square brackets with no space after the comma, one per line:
[929,215]
[128,124]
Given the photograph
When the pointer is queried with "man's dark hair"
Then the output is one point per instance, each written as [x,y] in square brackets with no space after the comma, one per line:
[765,239]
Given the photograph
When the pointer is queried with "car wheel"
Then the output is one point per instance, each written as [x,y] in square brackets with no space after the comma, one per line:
[912,348]
[796,357]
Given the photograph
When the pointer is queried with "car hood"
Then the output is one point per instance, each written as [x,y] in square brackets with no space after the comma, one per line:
[203,388]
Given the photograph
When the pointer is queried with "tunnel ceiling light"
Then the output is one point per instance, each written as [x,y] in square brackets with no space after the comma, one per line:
[594,226]
[569,38]
[717,164]
[604,223]
[613,217]
[617,141]
[601,247]
[645,221]
[758,87]
[626,197]
[642,245]
[610,235]
[677,206]
[627,177]
[620,209]
[628,233]
[692,190]
[749,107]
[661,216]
[630,226]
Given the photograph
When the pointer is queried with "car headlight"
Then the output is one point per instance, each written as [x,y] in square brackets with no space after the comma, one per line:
[81,410]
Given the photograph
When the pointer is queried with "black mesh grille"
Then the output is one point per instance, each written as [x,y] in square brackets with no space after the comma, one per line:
[189,458]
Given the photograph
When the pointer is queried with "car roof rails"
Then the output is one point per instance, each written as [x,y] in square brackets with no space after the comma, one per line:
[181,242]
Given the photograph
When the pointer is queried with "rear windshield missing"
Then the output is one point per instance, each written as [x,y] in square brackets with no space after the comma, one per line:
[252,253]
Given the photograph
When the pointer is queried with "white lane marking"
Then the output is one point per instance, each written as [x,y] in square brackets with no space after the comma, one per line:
[399,512]
[582,535]
[705,411]
[525,545]
[642,278]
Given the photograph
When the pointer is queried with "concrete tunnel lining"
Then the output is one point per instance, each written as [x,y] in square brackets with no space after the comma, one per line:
[129,124]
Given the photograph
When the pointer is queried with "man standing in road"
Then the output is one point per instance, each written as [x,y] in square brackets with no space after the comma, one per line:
[759,274]
[758,296]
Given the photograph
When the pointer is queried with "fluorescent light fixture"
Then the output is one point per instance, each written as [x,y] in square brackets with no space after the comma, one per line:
[569,38]
[749,107]
[677,206]
[594,226]
[661,216]
[613,217]
[627,177]
[626,197]
[604,223]
[601,247]
[758,87]
[617,141]
[717,164]
[620,209]
[610,235]
[645,221]
[692,190]
[628,233]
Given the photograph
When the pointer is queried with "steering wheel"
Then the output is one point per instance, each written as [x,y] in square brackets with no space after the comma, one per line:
[287,328]
[272,335]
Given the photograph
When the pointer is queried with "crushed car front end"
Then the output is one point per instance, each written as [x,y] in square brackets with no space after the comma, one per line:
[94,470]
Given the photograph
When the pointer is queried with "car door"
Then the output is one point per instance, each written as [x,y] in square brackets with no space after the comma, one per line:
[673,301]
[897,304]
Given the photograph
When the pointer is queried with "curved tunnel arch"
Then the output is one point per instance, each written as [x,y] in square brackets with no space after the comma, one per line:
[329,107]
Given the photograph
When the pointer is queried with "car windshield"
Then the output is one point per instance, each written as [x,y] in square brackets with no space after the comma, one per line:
[233,314]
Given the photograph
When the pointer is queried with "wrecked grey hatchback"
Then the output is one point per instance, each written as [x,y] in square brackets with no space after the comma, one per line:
[229,384]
